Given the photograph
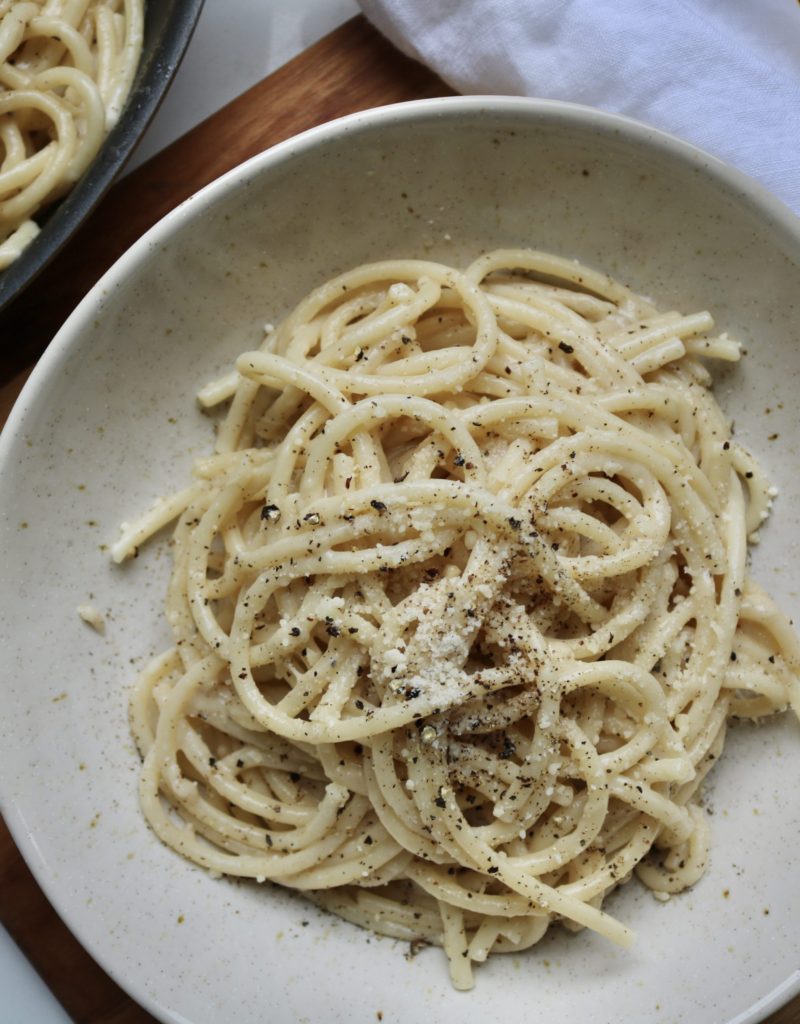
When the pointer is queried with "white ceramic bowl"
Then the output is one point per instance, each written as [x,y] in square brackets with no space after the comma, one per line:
[108,422]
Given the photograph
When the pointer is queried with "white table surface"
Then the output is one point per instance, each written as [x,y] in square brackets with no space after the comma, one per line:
[258,36]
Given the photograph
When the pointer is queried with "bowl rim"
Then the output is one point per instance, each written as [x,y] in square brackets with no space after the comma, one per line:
[773,211]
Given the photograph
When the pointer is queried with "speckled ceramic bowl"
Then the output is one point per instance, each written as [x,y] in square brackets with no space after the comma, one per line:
[108,422]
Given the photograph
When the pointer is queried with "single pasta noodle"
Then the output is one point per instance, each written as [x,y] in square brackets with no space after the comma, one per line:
[66,68]
[460,605]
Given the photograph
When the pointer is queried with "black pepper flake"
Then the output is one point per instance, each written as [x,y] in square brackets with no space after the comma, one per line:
[360,705]
[379,506]
[239,762]
[360,355]
[412,693]
[268,838]
[368,840]
[295,631]
[459,459]
[212,761]
[352,629]
[440,801]
[509,748]
[493,870]
[270,513]
[332,630]
[515,524]
[294,776]
[733,655]
[565,347]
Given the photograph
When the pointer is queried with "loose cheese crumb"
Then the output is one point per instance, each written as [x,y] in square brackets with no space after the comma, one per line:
[93,617]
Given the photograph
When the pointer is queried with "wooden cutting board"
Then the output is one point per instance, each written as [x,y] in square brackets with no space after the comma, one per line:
[352,69]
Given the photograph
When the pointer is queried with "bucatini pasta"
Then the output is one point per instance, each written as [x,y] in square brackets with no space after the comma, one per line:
[66,68]
[460,605]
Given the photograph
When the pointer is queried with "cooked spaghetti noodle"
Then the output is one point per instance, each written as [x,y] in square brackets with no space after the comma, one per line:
[460,605]
[66,68]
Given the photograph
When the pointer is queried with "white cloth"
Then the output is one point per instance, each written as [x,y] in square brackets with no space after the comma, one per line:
[723,74]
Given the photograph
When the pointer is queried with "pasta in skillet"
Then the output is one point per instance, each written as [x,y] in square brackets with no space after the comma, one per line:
[66,68]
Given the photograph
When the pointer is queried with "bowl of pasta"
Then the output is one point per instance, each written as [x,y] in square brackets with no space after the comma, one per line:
[79,83]
[405,541]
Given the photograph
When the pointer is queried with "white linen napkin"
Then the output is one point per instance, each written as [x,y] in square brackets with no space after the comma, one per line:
[723,74]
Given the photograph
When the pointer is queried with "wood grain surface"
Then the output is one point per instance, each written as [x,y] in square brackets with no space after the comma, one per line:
[352,69]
